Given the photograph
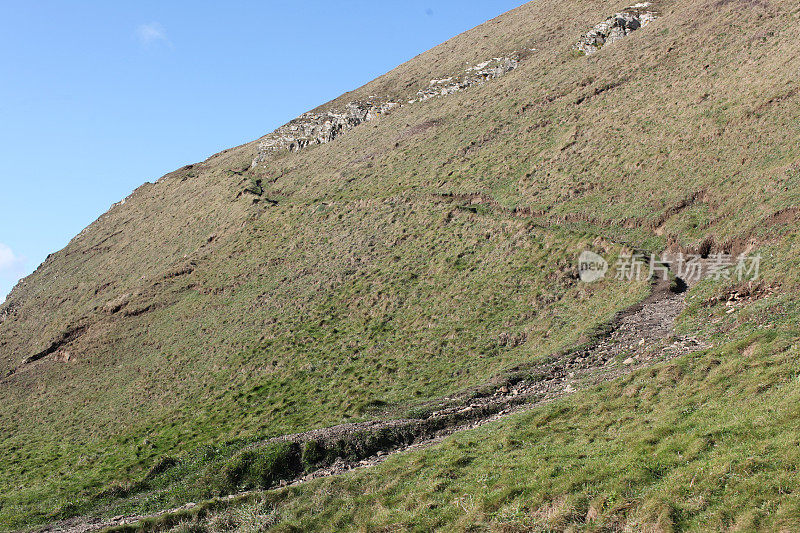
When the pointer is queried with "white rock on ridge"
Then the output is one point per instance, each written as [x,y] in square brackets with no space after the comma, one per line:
[488,70]
[312,129]
[615,28]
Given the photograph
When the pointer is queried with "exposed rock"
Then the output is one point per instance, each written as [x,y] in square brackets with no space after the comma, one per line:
[321,128]
[615,28]
[488,70]
[312,129]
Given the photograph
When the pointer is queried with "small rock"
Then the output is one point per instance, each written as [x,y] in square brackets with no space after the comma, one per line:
[629,361]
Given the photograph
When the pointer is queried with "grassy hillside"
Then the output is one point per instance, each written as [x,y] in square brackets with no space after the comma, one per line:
[358,279]
[707,443]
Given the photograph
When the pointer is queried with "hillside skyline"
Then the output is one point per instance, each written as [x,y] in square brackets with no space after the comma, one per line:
[125,89]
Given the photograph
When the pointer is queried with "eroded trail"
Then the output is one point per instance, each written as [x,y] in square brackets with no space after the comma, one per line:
[640,336]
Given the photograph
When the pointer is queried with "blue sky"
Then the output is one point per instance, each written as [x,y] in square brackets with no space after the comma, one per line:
[98,97]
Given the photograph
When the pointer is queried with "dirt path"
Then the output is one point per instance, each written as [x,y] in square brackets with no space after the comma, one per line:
[640,336]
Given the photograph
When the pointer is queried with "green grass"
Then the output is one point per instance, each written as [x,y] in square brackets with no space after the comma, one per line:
[377,283]
[366,352]
[415,337]
[706,442]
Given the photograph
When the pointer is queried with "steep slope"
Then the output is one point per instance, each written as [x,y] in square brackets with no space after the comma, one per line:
[425,251]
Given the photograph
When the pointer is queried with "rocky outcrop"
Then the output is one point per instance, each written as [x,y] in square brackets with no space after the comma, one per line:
[488,70]
[617,27]
[311,129]
[320,128]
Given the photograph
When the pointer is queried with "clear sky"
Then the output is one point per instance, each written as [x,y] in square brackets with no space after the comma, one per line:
[97,97]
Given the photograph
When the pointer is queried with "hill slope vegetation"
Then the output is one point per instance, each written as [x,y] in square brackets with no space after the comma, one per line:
[421,256]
